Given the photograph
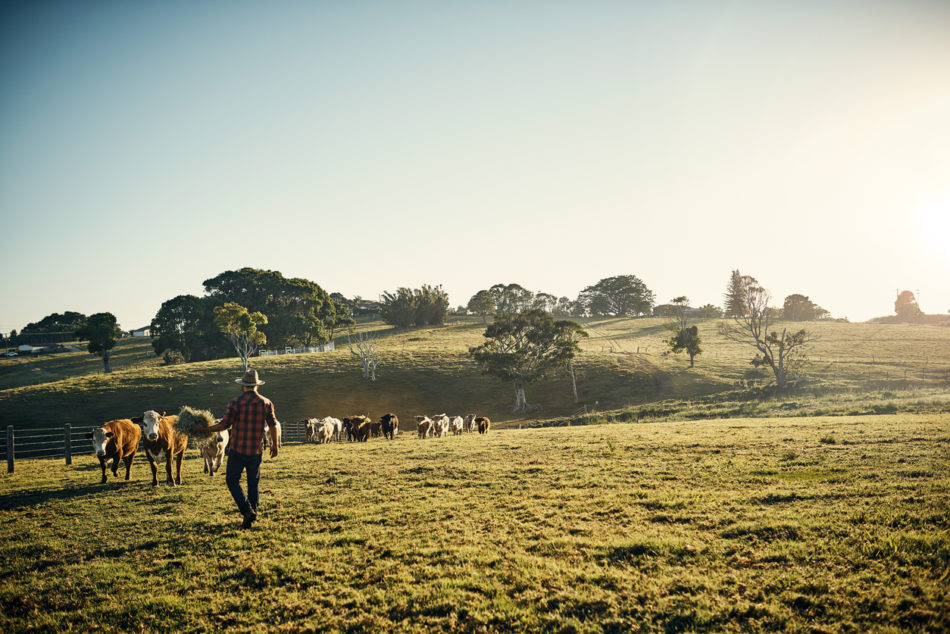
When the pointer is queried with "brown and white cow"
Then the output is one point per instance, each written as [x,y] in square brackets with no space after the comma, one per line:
[116,440]
[457,425]
[470,423]
[163,442]
[390,424]
[440,425]
[212,450]
[424,426]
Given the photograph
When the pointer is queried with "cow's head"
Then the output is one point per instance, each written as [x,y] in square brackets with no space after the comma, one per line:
[150,420]
[100,438]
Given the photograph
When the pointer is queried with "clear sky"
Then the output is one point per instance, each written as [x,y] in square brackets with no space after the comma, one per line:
[148,146]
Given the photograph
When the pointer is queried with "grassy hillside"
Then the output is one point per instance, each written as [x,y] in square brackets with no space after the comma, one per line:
[812,524]
[46,368]
[623,364]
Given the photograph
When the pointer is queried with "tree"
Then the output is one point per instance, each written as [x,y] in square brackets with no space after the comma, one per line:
[511,298]
[482,304]
[341,318]
[185,324]
[709,311]
[620,296]
[575,332]
[366,352]
[783,353]
[426,306]
[685,337]
[906,307]
[544,301]
[241,327]
[735,299]
[432,305]
[800,308]
[101,331]
[351,305]
[564,307]
[298,311]
[526,346]
[69,321]
[399,308]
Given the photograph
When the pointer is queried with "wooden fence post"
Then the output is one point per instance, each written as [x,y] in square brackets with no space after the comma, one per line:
[69,447]
[9,448]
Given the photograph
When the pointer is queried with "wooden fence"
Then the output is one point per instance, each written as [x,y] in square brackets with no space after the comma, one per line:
[325,347]
[63,442]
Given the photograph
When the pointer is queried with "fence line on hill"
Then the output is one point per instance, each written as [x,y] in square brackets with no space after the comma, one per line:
[324,347]
[63,442]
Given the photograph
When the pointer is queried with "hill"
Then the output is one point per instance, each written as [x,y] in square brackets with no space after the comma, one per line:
[814,524]
[130,352]
[623,364]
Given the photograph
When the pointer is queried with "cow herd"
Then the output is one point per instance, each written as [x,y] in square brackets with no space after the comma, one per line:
[361,428]
[118,440]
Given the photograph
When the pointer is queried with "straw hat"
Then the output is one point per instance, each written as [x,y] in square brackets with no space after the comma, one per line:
[250,379]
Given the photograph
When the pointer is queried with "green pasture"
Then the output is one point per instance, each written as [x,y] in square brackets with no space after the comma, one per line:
[623,371]
[26,370]
[787,524]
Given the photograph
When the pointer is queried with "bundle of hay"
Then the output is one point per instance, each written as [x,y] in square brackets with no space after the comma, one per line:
[190,417]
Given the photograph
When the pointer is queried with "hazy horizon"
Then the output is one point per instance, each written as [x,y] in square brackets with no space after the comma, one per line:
[148,147]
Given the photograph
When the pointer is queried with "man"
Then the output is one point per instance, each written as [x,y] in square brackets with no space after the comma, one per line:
[246,417]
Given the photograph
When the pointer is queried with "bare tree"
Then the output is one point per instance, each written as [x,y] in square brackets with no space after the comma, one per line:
[784,353]
[365,350]
[571,373]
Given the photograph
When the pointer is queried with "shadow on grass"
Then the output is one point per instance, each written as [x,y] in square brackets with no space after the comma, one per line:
[39,496]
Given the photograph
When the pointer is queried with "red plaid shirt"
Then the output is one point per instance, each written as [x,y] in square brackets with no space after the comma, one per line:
[246,417]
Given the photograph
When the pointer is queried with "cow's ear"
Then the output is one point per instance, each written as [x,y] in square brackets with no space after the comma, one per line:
[109,434]
[89,435]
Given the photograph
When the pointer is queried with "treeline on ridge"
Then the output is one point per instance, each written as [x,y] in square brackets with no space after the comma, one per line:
[299,313]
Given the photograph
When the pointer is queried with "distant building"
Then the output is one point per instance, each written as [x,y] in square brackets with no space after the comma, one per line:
[144,331]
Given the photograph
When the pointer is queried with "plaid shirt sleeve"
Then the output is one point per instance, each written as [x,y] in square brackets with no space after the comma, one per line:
[270,417]
[230,414]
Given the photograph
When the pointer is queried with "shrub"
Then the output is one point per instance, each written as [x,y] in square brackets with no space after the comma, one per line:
[173,357]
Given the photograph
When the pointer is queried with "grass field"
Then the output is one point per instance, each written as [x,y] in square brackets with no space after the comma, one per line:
[792,524]
[26,370]
[855,368]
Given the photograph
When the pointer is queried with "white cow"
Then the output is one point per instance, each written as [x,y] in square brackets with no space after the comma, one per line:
[323,430]
[212,450]
[457,425]
[337,432]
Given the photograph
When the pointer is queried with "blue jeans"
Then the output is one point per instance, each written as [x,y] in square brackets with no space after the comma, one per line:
[237,463]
